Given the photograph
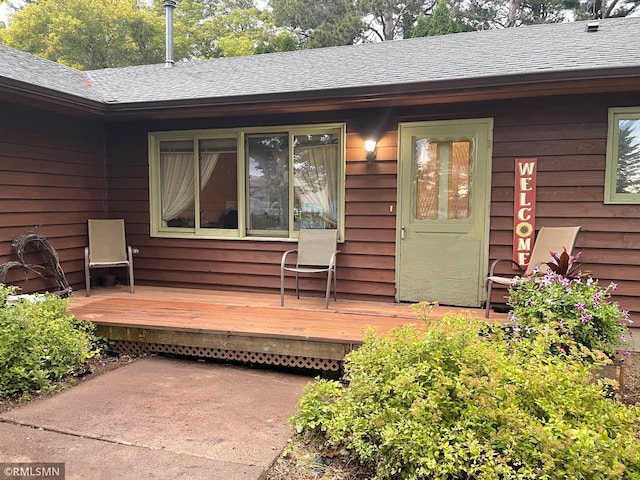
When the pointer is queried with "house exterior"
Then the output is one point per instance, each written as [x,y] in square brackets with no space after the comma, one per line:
[216,165]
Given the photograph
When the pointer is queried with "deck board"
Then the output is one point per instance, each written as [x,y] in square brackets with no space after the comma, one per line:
[247,321]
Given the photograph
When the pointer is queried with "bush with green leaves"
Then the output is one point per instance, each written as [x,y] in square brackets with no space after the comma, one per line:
[39,343]
[458,400]
[577,306]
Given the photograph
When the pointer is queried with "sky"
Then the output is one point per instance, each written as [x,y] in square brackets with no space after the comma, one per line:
[3,13]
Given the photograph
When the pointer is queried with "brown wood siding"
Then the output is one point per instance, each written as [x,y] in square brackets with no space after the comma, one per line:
[52,178]
[366,264]
[51,181]
[567,135]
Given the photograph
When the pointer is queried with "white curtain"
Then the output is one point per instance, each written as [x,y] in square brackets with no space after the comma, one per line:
[176,179]
[318,180]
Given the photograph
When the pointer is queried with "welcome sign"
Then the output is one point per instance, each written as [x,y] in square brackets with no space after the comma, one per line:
[524,218]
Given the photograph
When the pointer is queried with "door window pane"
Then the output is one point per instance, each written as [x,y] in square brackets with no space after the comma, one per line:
[442,179]
[315,177]
[177,184]
[218,183]
[268,184]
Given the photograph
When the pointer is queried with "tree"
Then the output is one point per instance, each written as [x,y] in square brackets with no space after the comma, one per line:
[488,14]
[320,23]
[223,28]
[91,34]
[343,22]
[390,19]
[593,9]
[440,23]
[88,34]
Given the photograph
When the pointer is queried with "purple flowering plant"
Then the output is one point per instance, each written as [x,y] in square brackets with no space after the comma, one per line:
[573,302]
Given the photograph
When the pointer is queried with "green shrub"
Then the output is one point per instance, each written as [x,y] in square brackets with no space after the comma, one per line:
[459,402]
[39,343]
[578,308]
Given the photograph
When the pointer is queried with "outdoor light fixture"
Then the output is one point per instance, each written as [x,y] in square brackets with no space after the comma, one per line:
[370,147]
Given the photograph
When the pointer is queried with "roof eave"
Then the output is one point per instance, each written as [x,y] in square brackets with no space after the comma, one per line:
[538,84]
[23,92]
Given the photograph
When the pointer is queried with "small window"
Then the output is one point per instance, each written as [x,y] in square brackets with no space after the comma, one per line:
[623,156]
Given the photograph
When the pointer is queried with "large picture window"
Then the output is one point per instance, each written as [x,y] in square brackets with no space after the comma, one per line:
[247,183]
[623,156]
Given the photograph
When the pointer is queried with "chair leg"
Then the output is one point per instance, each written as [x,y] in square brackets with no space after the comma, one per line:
[326,298]
[335,289]
[297,289]
[87,278]
[282,287]
[132,287]
[131,281]
[488,303]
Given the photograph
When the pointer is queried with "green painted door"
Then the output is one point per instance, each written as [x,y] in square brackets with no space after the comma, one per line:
[444,186]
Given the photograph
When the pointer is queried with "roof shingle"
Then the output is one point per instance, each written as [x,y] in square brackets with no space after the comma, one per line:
[551,48]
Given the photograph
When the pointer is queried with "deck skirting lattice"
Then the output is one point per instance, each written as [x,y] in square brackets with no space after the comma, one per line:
[144,348]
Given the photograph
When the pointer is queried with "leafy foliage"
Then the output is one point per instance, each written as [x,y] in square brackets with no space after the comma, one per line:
[564,264]
[489,14]
[213,28]
[578,308]
[592,9]
[39,343]
[88,34]
[440,23]
[458,402]
[323,23]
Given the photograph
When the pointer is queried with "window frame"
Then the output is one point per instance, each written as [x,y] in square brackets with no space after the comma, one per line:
[611,196]
[241,233]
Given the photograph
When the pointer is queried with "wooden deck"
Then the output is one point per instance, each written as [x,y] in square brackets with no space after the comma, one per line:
[244,327]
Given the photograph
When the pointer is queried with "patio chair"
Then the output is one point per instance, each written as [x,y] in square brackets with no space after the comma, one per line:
[317,250]
[548,239]
[107,248]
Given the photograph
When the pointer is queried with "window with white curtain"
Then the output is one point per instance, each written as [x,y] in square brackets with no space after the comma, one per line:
[247,183]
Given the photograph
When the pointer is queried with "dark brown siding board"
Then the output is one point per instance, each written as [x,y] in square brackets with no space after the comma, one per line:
[553,163]
[362,234]
[51,181]
[23,163]
[380,221]
[553,147]
[42,179]
[567,131]
[31,205]
[372,182]
[603,224]
[375,167]
[365,195]
[553,194]
[557,179]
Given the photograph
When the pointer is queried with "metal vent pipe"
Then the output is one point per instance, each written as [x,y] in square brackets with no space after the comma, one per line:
[169,5]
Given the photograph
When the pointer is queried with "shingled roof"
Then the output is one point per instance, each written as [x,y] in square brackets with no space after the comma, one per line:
[565,51]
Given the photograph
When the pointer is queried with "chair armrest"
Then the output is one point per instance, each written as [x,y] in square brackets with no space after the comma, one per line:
[495,262]
[86,254]
[332,260]
[284,257]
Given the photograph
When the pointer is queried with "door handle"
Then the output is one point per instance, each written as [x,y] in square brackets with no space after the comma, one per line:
[402,232]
